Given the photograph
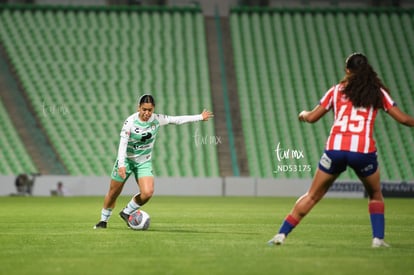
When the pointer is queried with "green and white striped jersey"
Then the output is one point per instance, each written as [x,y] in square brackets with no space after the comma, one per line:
[138,137]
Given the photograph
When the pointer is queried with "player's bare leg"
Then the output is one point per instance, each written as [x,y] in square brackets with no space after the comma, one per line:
[372,185]
[115,189]
[320,185]
[146,188]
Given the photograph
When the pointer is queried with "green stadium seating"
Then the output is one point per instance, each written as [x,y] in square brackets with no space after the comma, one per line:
[286,59]
[84,69]
[13,155]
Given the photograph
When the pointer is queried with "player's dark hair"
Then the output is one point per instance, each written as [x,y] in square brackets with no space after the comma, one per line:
[362,85]
[146,99]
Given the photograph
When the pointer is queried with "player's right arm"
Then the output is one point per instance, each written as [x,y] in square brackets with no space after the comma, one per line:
[314,115]
[325,104]
[122,148]
[123,143]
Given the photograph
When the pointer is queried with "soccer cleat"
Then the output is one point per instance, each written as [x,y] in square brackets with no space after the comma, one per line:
[100,225]
[278,239]
[376,242]
[125,217]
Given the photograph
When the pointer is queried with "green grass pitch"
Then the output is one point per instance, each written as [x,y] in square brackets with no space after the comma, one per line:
[201,235]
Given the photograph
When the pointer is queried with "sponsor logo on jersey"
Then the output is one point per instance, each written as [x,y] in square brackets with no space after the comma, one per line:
[325,161]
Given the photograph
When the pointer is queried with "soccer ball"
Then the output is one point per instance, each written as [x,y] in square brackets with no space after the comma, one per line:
[139,220]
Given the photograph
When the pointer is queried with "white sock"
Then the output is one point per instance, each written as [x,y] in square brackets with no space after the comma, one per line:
[131,207]
[106,214]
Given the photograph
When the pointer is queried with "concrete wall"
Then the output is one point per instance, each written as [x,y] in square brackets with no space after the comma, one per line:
[229,186]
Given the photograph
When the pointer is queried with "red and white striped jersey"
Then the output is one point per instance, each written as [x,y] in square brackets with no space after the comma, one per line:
[353,127]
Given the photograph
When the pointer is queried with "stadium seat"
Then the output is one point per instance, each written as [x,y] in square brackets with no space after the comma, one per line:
[14,158]
[290,58]
[84,69]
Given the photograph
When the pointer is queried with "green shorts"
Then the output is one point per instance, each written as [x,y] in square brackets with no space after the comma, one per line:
[140,170]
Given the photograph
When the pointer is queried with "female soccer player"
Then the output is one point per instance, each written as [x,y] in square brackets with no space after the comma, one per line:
[134,156]
[355,102]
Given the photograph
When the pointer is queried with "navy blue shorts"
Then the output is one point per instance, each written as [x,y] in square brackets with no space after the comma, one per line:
[335,162]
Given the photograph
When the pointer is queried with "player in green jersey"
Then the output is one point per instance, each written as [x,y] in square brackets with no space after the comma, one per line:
[134,156]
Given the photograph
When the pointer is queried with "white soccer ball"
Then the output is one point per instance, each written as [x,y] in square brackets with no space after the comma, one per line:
[139,220]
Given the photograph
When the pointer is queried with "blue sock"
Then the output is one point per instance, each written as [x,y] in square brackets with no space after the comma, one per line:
[288,225]
[378,225]
[376,213]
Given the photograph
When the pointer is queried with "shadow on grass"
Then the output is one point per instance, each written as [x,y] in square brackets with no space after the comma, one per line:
[197,231]
[173,230]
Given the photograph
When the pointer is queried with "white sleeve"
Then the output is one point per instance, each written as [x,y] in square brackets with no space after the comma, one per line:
[123,143]
[164,119]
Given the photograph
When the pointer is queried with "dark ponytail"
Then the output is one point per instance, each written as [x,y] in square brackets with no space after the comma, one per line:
[363,87]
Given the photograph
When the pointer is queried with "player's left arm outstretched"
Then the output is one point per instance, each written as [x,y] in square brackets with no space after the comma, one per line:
[204,116]
[401,117]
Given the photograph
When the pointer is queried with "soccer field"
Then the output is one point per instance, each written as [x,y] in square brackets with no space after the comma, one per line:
[201,235]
